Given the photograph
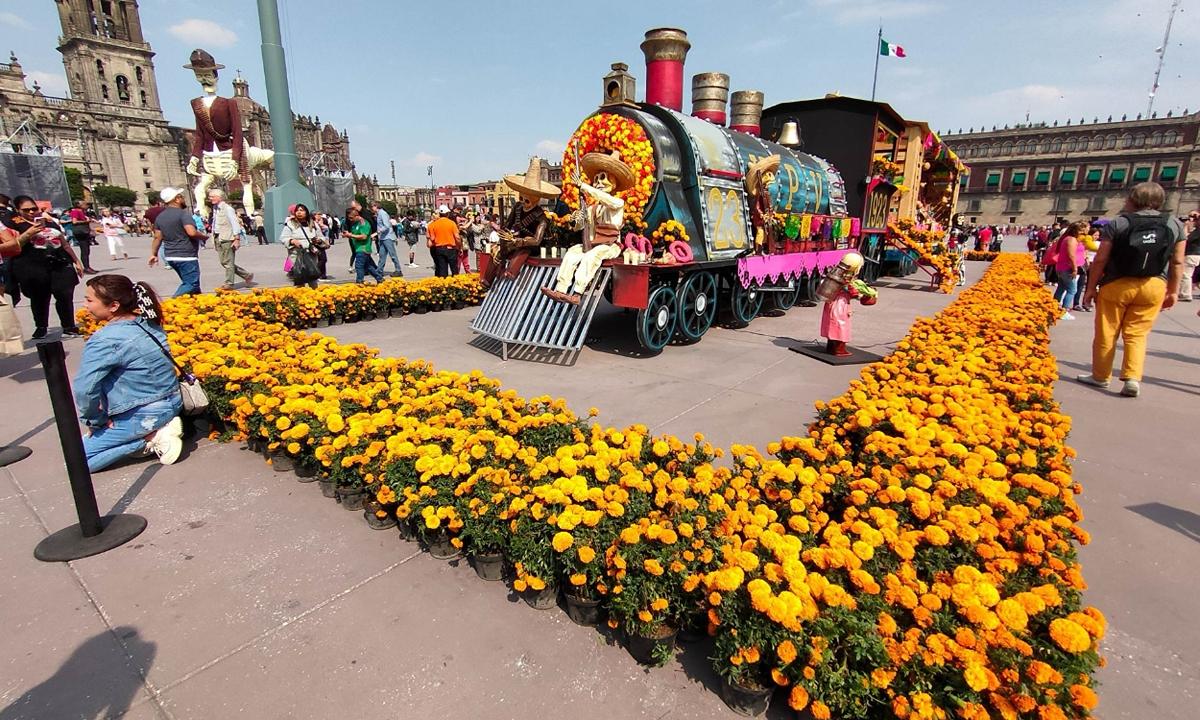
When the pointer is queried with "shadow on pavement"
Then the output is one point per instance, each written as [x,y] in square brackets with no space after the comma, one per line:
[1184,522]
[1188,388]
[31,432]
[89,684]
[135,489]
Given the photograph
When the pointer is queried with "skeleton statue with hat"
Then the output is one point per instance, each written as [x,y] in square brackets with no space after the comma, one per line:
[759,177]
[525,227]
[219,152]
[601,218]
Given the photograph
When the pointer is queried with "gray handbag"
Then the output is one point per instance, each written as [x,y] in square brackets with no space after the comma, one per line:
[191,392]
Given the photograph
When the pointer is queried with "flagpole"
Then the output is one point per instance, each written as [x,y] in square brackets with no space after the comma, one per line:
[878,46]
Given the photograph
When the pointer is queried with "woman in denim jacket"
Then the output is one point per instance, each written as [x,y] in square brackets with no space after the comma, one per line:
[126,390]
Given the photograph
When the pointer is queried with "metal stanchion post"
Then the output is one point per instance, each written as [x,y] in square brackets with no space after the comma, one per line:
[93,534]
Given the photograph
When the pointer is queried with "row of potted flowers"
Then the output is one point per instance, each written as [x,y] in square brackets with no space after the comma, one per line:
[931,250]
[914,552]
[984,255]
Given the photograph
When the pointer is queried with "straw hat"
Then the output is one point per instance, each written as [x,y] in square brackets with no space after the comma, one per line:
[531,182]
[612,166]
[755,172]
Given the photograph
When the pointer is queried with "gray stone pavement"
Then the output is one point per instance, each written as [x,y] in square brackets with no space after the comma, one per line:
[250,595]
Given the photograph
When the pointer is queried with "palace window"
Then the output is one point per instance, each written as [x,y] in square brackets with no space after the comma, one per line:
[1126,141]
[1006,148]
[1156,138]
[1042,177]
[1094,175]
[1013,205]
[993,180]
[1168,174]
[1141,174]
[1062,205]
[1067,177]
[974,205]
[1096,204]
[1116,175]
[1056,145]
[1069,145]
[1018,178]
[1044,147]
[1171,138]
[1139,140]
[1110,142]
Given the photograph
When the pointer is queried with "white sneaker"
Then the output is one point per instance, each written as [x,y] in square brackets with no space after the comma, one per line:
[1132,389]
[167,443]
[1068,316]
[413,265]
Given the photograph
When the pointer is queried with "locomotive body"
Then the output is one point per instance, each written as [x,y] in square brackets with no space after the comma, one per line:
[700,169]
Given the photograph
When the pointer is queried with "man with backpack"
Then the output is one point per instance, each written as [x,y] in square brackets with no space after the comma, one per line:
[1136,273]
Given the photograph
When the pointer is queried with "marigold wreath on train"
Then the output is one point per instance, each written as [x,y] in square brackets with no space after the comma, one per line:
[607,133]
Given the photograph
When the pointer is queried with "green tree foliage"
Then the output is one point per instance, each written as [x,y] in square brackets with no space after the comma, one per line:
[74,183]
[114,196]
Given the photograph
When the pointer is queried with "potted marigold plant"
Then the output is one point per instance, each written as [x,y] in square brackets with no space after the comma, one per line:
[482,500]
[531,552]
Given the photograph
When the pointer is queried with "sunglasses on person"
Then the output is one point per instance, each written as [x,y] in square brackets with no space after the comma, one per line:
[31,208]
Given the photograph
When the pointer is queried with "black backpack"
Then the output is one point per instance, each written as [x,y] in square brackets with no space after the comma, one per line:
[1145,250]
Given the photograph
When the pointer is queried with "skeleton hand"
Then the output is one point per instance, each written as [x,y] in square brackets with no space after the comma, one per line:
[193,166]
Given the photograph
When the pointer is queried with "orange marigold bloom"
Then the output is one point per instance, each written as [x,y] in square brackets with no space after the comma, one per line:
[786,651]
[798,698]
[1084,697]
[1069,635]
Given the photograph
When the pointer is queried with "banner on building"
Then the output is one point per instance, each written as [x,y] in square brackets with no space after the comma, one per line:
[38,176]
[333,192]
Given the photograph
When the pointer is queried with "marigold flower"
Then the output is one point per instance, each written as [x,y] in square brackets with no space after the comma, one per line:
[561,541]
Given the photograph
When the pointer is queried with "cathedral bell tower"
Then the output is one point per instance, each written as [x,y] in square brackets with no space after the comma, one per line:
[108,61]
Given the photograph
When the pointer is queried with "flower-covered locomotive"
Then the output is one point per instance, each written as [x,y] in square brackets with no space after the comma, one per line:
[716,219]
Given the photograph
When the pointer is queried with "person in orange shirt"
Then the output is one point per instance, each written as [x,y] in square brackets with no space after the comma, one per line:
[444,243]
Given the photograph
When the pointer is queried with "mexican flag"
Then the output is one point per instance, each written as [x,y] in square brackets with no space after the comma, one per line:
[887,49]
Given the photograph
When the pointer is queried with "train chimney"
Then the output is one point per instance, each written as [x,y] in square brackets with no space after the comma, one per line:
[789,136]
[710,95]
[747,109]
[665,50]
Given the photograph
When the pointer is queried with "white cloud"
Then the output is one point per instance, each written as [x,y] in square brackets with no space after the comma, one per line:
[203,33]
[550,148]
[423,159]
[15,20]
[51,83]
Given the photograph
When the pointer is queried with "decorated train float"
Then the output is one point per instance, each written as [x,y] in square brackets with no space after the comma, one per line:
[689,220]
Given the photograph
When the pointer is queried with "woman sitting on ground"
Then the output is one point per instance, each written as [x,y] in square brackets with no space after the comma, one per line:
[126,389]
[301,234]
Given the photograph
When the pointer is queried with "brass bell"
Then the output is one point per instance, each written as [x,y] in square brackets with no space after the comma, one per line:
[789,136]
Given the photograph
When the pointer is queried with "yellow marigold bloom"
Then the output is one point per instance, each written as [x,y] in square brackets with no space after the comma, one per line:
[786,651]
[645,616]
[283,423]
[578,579]
[655,568]
[562,541]
[881,678]
[820,710]
[1069,635]
[1012,614]
[586,554]
[660,448]
[535,583]
[976,677]
[659,604]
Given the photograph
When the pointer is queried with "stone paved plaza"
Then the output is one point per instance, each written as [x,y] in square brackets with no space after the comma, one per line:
[249,595]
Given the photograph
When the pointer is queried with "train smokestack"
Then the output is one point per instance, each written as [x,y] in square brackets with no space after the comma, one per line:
[710,96]
[747,109]
[665,50]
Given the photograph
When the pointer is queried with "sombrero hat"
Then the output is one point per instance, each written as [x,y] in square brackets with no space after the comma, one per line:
[201,60]
[531,182]
[755,172]
[611,165]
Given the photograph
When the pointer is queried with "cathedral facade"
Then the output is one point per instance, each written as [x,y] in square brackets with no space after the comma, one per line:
[111,127]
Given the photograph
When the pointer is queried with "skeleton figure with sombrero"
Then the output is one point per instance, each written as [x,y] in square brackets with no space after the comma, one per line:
[759,177]
[219,152]
[601,218]
[524,227]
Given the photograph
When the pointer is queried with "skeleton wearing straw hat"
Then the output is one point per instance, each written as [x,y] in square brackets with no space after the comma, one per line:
[602,217]
[525,226]
[219,152]
[759,177]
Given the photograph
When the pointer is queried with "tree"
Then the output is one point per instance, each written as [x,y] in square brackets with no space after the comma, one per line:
[114,196]
[390,207]
[151,197]
[74,183]
[362,200]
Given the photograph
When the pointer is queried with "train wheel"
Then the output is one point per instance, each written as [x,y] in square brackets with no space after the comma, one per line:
[744,303]
[784,301]
[697,300]
[656,324]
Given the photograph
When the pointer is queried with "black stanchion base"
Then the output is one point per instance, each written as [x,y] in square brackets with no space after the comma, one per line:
[70,544]
[10,454]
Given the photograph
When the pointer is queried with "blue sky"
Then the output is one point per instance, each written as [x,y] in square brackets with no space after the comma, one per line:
[474,88]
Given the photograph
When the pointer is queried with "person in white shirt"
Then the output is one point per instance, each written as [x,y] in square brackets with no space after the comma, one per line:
[114,229]
[227,235]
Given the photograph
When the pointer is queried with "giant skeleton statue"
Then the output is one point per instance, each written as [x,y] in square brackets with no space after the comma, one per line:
[219,152]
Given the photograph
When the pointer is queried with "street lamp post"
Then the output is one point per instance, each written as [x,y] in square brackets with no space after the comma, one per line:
[287,189]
